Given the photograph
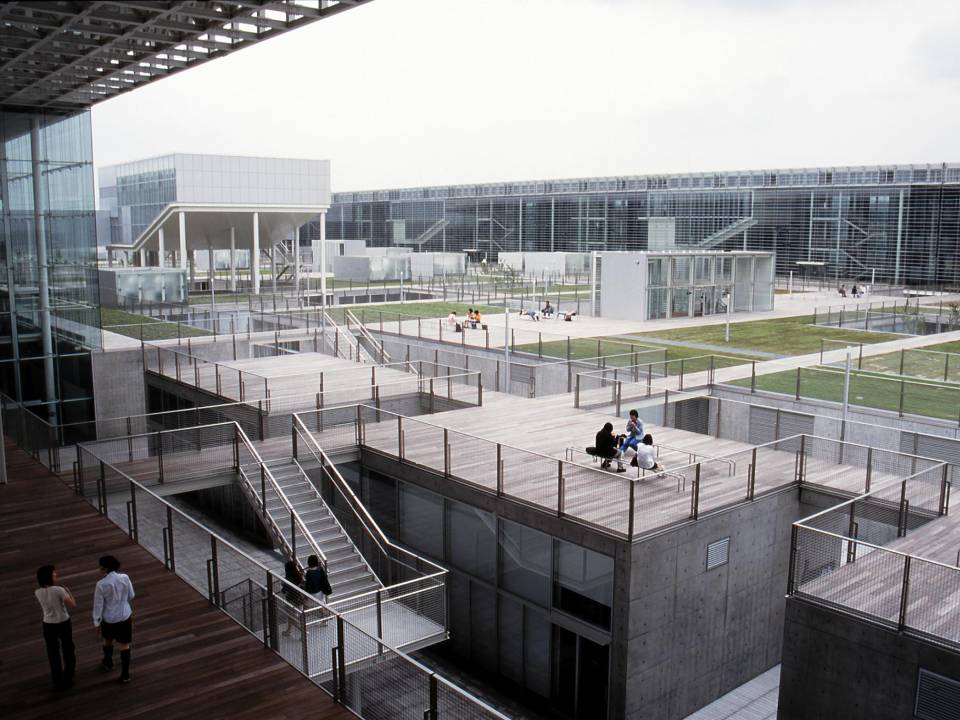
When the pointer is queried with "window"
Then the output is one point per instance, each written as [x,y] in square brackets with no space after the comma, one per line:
[471,540]
[525,557]
[584,585]
[421,520]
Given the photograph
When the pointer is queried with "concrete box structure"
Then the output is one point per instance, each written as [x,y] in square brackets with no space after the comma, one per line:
[651,285]
[545,264]
[142,285]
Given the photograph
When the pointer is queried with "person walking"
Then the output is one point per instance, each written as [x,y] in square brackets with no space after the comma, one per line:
[54,599]
[293,576]
[113,614]
[316,580]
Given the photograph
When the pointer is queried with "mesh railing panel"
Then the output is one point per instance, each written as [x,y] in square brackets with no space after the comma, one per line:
[933,605]
[532,478]
[597,497]
[473,459]
[870,585]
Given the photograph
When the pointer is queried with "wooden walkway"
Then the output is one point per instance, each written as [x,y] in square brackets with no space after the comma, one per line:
[189,659]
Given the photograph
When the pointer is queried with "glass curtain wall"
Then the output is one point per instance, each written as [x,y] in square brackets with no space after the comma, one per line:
[507,582]
[900,225]
[49,296]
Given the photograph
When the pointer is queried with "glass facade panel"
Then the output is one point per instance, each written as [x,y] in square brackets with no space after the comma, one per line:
[471,540]
[904,223]
[421,520]
[49,295]
[584,584]
[525,562]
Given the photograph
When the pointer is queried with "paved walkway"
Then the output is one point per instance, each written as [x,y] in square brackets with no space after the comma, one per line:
[754,700]
[190,660]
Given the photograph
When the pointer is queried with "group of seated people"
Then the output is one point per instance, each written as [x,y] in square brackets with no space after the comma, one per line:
[471,320]
[547,312]
[612,447]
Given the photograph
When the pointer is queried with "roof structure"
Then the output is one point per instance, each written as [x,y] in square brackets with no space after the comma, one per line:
[65,56]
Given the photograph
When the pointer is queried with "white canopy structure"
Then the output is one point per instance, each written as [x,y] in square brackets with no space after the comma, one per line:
[183,228]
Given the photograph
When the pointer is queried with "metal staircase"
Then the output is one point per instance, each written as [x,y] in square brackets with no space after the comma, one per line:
[318,529]
[725,233]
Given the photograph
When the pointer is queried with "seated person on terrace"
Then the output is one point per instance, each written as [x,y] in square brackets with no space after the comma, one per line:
[532,314]
[476,318]
[645,456]
[452,319]
[634,432]
[547,310]
[606,448]
[569,316]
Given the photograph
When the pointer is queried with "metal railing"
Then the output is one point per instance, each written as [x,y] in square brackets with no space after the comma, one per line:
[366,674]
[612,504]
[909,317]
[618,386]
[362,329]
[916,363]
[406,577]
[839,558]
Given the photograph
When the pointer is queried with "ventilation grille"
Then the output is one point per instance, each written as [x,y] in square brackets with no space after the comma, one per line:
[938,697]
[718,553]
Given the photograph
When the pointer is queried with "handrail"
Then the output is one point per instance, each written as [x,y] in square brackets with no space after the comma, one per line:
[370,525]
[352,342]
[732,464]
[348,314]
[285,584]
[288,506]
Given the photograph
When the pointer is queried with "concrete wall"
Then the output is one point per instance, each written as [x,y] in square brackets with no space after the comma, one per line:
[623,293]
[837,666]
[695,634]
[118,388]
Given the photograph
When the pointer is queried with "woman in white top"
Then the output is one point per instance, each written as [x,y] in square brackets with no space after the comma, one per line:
[57,629]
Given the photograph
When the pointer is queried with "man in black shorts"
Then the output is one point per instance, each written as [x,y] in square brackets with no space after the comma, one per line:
[112,614]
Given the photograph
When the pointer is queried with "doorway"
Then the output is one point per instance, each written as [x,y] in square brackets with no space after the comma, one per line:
[580,675]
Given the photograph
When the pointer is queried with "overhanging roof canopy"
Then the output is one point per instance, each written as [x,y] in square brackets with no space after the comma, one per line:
[208,225]
[65,56]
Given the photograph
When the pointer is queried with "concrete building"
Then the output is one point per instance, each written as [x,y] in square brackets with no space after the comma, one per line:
[166,210]
[893,223]
[651,285]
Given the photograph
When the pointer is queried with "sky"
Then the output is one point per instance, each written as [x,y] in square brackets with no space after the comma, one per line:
[401,93]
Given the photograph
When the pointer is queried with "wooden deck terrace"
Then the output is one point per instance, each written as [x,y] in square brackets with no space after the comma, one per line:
[549,427]
[873,584]
[190,660]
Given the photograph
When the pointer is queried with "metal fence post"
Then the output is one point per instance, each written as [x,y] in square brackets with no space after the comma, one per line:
[904,595]
[499,469]
[801,461]
[270,638]
[794,532]
[904,510]
[942,510]
[560,488]
[400,437]
[866,484]
[797,394]
[630,520]
[752,475]
[695,495]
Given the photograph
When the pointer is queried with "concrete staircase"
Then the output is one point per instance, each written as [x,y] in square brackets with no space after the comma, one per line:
[348,572]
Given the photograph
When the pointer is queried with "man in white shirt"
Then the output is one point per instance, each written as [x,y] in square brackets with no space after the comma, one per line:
[112,614]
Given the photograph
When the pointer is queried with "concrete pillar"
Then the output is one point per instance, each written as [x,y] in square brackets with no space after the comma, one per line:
[296,260]
[233,259]
[43,277]
[109,257]
[143,257]
[162,249]
[183,242]
[323,259]
[213,276]
[273,268]
[255,255]
[193,269]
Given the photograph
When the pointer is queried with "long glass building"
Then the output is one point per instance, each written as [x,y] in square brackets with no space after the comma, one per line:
[899,223]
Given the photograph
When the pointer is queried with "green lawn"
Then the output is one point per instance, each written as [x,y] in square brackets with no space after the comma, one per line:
[784,336]
[370,314]
[935,362]
[866,389]
[140,326]
[221,297]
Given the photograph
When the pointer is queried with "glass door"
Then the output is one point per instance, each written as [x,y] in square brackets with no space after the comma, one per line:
[581,671]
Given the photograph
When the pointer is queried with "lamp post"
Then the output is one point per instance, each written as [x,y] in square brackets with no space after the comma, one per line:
[728,297]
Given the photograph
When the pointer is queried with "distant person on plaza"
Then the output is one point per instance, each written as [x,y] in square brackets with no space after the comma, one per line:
[547,310]
[842,290]
[569,316]
[532,314]
[452,319]
[476,318]
[54,599]
[113,614]
[606,447]
[855,291]
[316,580]
[634,432]
[646,458]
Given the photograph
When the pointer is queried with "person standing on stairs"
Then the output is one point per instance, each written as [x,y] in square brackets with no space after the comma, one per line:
[293,576]
[316,580]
